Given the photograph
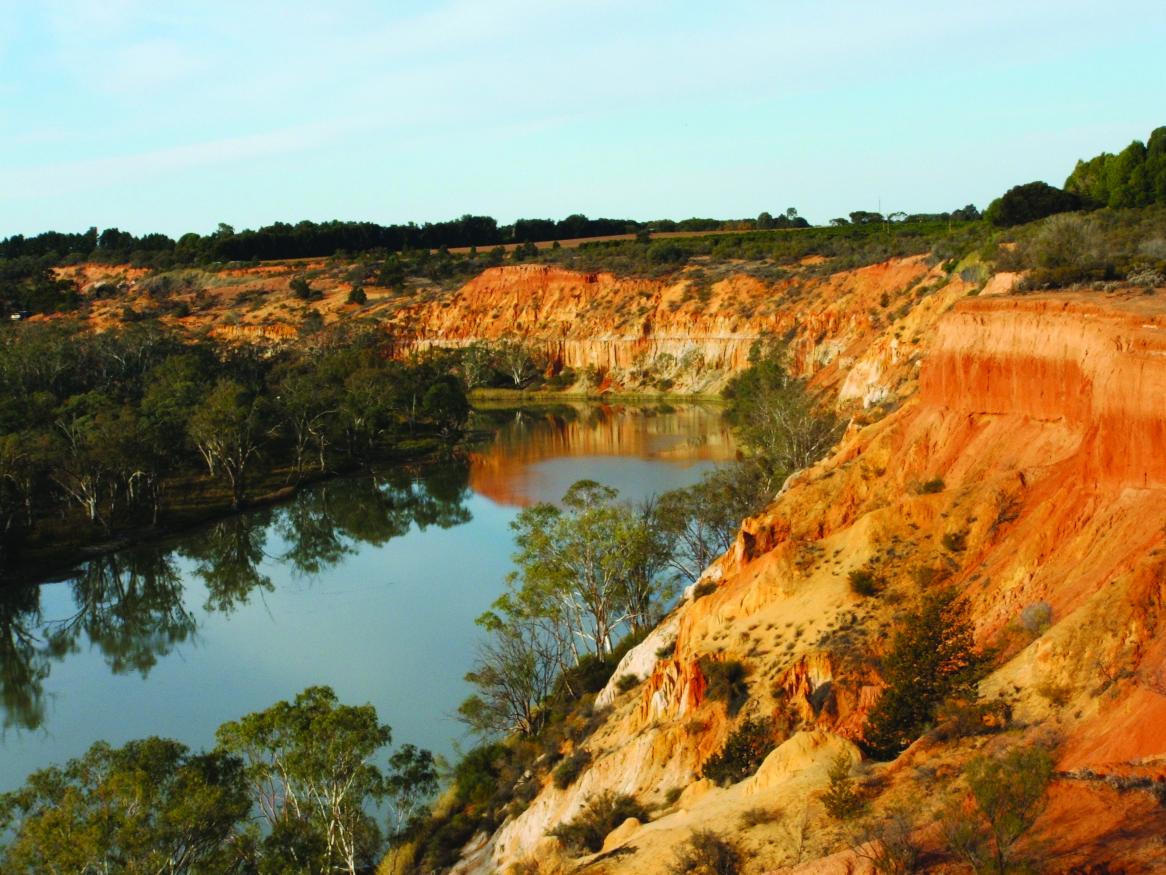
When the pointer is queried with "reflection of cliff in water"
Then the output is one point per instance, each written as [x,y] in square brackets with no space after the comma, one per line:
[503,468]
[132,608]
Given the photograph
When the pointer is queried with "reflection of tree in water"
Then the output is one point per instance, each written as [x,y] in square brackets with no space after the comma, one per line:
[322,525]
[130,605]
[227,556]
[23,664]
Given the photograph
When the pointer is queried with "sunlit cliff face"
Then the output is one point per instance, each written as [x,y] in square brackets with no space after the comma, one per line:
[527,460]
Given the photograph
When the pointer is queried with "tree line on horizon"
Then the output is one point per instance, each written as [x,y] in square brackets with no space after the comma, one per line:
[308,239]
[1133,178]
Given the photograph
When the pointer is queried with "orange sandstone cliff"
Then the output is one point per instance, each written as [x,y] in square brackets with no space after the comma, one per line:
[1043,417]
[1040,417]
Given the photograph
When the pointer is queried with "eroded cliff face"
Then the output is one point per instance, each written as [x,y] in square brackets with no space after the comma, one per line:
[1043,417]
[857,332]
[688,337]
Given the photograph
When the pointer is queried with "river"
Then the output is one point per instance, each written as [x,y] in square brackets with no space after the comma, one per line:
[368,584]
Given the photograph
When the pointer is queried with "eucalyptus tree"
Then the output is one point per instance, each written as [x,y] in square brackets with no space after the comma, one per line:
[229,427]
[311,766]
[148,807]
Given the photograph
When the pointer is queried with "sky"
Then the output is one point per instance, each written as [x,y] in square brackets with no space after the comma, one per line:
[173,117]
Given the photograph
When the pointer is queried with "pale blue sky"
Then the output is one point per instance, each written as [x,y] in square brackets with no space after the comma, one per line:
[156,115]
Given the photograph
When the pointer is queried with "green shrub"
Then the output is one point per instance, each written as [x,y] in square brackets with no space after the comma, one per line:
[956,542]
[476,776]
[964,718]
[627,682]
[1009,793]
[725,682]
[932,659]
[744,752]
[758,816]
[585,834]
[1037,618]
[931,486]
[563,379]
[842,799]
[863,582]
[706,853]
[667,651]
[357,295]
[570,768]
[707,587]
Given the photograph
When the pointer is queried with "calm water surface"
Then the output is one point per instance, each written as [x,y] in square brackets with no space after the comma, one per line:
[369,584]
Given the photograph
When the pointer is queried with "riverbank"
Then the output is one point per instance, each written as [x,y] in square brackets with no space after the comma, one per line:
[200,501]
[520,397]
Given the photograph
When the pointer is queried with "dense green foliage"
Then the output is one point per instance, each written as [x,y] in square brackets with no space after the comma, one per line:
[932,659]
[307,239]
[150,806]
[1029,202]
[97,431]
[1135,177]
[28,286]
[1096,247]
[306,768]
[309,764]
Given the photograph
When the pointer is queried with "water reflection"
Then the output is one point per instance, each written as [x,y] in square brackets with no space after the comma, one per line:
[509,467]
[131,606]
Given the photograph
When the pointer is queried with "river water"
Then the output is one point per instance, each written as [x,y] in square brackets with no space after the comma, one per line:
[368,584]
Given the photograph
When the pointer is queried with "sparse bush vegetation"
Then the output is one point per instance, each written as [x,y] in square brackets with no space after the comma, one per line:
[759,816]
[745,750]
[863,582]
[706,853]
[888,843]
[930,487]
[726,682]
[571,767]
[1008,792]
[627,682]
[702,589]
[603,814]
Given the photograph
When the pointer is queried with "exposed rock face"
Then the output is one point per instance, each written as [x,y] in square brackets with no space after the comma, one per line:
[634,331]
[1044,418]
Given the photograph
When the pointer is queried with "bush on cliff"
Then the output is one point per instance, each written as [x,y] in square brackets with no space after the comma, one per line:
[603,814]
[706,853]
[780,423]
[932,658]
[1009,793]
[745,749]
